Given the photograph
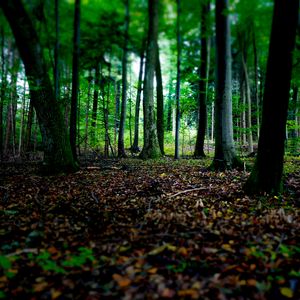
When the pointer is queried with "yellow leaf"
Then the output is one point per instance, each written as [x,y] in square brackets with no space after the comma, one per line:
[162,175]
[287,292]
[183,251]
[39,287]
[219,214]
[228,248]
[55,294]
[160,249]
[152,270]
[188,293]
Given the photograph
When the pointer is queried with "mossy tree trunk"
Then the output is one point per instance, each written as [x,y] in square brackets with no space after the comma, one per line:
[225,154]
[266,175]
[150,148]
[160,104]
[57,151]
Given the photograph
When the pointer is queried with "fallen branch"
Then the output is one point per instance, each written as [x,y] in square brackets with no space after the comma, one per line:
[29,250]
[188,191]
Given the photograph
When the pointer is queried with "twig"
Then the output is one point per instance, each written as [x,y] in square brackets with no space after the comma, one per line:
[188,191]
[29,250]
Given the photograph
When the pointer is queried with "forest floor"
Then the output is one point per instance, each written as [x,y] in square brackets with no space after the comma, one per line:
[132,229]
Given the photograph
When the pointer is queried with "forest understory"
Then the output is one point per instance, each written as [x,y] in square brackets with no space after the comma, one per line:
[133,229]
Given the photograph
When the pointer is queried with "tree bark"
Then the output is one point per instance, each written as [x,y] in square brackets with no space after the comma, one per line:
[160,104]
[151,148]
[266,175]
[177,123]
[95,103]
[203,80]
[121,146]
[56,52]
[225,155]
[248,100]
[135,146]
[57,151]
[75,79]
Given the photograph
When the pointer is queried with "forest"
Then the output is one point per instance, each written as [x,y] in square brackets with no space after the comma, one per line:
[149,149]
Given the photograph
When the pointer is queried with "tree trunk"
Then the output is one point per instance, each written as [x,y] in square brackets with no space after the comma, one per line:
[151,148]
[117,109]
[56,52]
[135,146]
[248,100]
[57,150]
[121,147]
[75,79]
[87,112]
[266,175]
[95,103]
[21,132]
[203,80]
[256,72]
[169,106]
[177,124]
[160,104]
[2,91]
[225,155]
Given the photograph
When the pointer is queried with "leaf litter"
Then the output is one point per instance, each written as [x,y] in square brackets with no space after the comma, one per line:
[131,229]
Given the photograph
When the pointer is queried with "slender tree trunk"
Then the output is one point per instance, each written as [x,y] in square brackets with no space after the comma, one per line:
[243,114]
[135,146]
[169,106]
[177,124]
[57,151]
[249,110]
[256,78]
[203,80]
[56,52]
[151,148]
[21,131]
[75,79]
[2,91]
[121,146]
[266,175]
[225,155]
[117,109]
[87,112]
[160,104]
[95,103]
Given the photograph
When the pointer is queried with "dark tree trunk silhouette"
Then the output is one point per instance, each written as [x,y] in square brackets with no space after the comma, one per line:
[266,175]
[57,151]
[135,146]
[203,74]
[177,123]
[75,79]
[121,146]
[95,103]
[56,52]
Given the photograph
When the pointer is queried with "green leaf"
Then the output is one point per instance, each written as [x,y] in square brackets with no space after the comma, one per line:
[287,292]
[5,262]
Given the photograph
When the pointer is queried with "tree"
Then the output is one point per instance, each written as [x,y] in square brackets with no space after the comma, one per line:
[225,155]
[57,151]
[177,123]
[203,74]
[135,146]
[151,148]
[266,175]
[75,79]
[121,147]
[160,103]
